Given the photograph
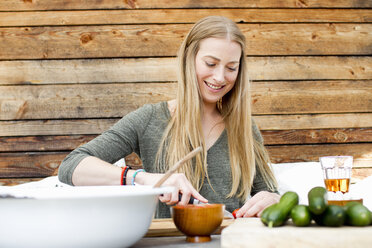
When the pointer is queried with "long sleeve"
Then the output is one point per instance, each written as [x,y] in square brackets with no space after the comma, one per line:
[112,145]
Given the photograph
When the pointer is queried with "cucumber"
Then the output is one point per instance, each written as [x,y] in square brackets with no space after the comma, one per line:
[279,213]
[317,197]
[276,216]
[300,215]
[288,201]
[289,198]
[333,216]
[358,215]
[349,204]
[266,212]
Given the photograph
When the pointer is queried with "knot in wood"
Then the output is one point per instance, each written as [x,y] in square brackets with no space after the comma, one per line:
[340,136]
[85,38]
[132,4]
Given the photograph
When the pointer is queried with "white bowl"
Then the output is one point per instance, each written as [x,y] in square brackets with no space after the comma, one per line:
[91,216]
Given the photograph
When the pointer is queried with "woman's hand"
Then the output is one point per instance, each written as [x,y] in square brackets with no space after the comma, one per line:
[254,206]
[181,186]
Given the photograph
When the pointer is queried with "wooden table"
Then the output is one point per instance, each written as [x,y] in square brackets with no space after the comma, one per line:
[250,232]
[176,242]
[163,233]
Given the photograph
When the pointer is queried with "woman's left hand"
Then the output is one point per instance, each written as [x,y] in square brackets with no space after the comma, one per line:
[254,206]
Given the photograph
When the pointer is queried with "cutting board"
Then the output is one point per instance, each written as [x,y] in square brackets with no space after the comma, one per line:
[250,232]
[166,227]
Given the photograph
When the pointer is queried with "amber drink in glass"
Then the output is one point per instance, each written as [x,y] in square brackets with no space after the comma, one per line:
[337,173]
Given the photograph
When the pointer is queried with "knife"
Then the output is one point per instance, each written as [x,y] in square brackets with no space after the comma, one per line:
[194,201]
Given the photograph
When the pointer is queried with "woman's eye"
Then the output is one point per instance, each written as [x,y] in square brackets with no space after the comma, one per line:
[231,69]
[210,64]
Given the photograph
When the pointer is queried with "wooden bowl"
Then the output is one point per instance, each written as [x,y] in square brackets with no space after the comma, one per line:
[198,222]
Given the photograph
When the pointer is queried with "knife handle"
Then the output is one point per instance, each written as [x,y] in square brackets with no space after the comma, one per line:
[191,201]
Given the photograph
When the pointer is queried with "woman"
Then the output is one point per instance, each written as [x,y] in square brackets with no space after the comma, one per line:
[212,110]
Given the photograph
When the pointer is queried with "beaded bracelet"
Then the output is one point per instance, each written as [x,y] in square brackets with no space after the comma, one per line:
[135,174]
[127,168]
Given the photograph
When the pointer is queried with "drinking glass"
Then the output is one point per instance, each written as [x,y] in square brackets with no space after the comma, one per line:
[337,173]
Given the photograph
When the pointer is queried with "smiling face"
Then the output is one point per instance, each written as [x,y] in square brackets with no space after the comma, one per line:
[217,67]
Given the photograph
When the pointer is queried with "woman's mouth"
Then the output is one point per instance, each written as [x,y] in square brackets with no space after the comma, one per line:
[215,87]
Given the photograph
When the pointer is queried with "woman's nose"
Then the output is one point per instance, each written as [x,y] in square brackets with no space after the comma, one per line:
[219,74]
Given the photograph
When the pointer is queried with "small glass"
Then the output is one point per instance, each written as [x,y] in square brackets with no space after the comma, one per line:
[337,173]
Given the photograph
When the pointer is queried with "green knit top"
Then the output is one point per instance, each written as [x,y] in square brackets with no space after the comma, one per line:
[141,131]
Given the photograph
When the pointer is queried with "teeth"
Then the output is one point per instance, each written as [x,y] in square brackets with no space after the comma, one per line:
[213,87]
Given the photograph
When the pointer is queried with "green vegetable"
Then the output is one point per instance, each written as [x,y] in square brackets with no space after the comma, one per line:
[333,216]
[279,213]
[349,204]
[317,197]
[300,215]
[358,215]
[266,212]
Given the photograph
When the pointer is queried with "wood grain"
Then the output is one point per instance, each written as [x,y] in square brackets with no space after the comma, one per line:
[166,16]
[250,232]
[43,164]
[359,174]
[13,165]
[163,228]
[70,69]
[116,100]
[6,5]
[311,97]
[79,101]
[277,137]
[55,127]
[315,121]
[306,153]
[310,68]
[43,143]
[164,40]
[265,122]
[315,136]
[31,72]
[17,181]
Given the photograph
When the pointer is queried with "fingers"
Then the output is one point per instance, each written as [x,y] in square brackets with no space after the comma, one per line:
[255,209]
[255,205]
[174,198]
[165,198]
[198,196]
[184,198]
[189,196]
[170,198]
[183,191]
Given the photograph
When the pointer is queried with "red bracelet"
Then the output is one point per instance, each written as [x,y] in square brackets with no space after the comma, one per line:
[125,174]
[122,181]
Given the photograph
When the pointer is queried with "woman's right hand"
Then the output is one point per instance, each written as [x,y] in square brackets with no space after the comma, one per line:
[181,186]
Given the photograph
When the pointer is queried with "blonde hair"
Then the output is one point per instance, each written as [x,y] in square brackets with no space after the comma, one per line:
[184,131]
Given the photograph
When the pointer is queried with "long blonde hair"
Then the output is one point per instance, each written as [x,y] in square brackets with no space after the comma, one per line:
[184,131]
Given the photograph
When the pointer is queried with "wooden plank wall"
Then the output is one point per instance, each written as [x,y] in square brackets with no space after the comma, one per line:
[70,69]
